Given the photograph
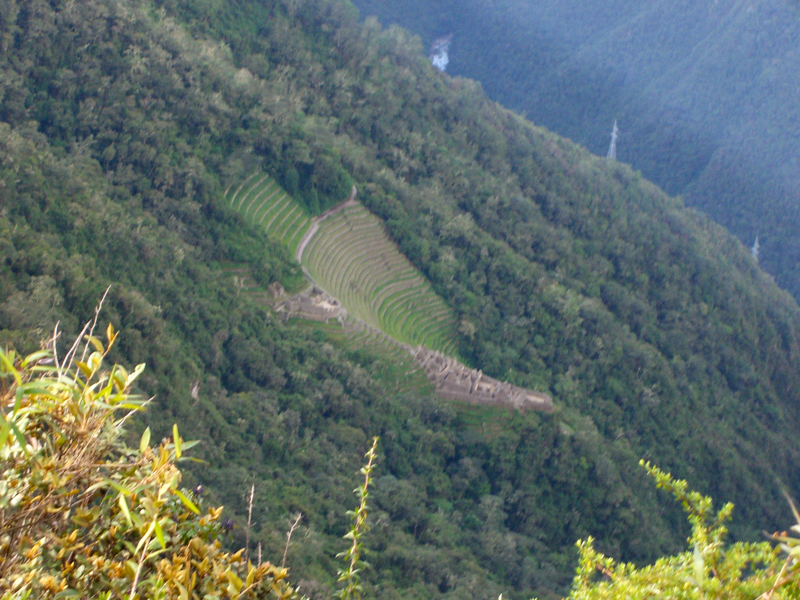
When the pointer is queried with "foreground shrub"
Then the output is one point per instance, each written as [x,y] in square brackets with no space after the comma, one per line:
[710,569]
[82,514]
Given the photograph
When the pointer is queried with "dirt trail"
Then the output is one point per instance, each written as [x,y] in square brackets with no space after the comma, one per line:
[351,201]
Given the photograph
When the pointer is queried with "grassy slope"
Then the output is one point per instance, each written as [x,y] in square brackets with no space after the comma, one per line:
[262,202]
[351,257]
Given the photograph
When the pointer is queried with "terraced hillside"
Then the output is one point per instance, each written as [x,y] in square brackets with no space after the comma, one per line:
[262,201]
[352,258]
[348,254]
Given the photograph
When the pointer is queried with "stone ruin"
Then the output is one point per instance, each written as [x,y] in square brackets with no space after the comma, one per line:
[451,379]
[313,304]
[276,290]
[454,381]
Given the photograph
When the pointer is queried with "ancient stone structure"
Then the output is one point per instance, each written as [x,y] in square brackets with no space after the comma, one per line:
[313,304]
[454,381]
[451,379]
[276,290]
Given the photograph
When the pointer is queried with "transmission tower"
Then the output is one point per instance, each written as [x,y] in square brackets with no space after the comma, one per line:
[612,149]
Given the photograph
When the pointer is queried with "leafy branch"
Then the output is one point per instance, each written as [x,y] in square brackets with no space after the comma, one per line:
[352,556]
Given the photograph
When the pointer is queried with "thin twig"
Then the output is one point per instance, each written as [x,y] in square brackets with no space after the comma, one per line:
[70,356]
[139,568]
[133,411]
[288,539]
[778,581]
[94,321]
[249,522]
[55,347]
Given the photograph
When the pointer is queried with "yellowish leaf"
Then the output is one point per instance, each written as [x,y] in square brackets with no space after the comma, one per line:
[124,507]
[177,439]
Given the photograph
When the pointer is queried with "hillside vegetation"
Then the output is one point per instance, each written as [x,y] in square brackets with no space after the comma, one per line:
[124,122]
[703,92]
[82,515]
[75,498]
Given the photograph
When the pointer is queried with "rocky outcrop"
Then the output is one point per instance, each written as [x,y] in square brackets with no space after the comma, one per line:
[313,304]
[454,381]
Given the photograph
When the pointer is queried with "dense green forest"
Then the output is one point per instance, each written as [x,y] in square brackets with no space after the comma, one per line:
[703,92]
[123,122]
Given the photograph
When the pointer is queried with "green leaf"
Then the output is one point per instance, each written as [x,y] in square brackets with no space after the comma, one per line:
[145,441]
[95,360]
[195,460]
[129,405]
[136,372]
[160,534]
[699,566]
[35,357]
[118,486]
[145,538]
[31,388]
[18,394]
[234,579]
[98,345]
[177,439]
[120,377]
[189,504]
[4,431]
[130,569]
[18,434]
[124,507]
[189,445]
[9,367]
[84,368]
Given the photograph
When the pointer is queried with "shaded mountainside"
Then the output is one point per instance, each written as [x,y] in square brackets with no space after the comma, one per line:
[123,122]
[704,93]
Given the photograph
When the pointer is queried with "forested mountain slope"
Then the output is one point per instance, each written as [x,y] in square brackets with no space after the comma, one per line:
[124,121]
[704,93]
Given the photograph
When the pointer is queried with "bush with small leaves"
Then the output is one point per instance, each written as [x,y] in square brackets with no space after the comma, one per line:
[352,556]
[710,569]
[83,515]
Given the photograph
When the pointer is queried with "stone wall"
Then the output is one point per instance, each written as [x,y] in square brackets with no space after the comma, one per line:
[454,381]
[451,379]
[313,304]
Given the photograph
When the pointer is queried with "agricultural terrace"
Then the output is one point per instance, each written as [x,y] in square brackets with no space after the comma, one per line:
[262,202]
[352,258]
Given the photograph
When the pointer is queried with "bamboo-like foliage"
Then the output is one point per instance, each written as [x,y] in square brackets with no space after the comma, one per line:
[709,569]
[352,556]
[83,515]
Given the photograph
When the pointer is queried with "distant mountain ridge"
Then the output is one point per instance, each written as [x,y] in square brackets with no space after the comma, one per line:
[704,93]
